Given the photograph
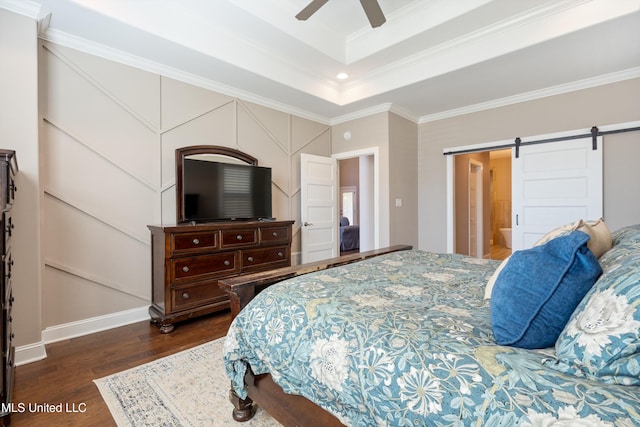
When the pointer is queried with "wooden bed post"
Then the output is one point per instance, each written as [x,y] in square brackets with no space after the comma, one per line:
[243,409]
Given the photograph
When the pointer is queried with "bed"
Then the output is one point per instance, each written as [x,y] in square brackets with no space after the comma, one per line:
[408,338]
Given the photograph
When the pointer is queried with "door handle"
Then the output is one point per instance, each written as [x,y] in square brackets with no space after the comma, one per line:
[306,224]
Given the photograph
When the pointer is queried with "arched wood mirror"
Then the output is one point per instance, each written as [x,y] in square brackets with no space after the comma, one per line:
[212,153]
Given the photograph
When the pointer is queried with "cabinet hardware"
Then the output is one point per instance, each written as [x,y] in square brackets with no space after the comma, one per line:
[185,269]
[196,241]
[185,295]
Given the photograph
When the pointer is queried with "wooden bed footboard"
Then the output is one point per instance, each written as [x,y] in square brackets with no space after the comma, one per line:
[290,410]
[242,289]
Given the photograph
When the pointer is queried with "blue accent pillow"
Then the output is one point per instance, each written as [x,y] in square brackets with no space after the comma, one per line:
[539,288]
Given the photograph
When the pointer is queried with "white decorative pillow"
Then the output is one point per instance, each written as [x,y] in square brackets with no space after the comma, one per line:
[601,240]
[600,237]
[560,231]
[492,280]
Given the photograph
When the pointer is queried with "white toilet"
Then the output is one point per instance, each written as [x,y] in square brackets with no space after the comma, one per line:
[506,233]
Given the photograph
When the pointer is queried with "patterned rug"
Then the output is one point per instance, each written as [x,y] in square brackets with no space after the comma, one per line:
[188,388]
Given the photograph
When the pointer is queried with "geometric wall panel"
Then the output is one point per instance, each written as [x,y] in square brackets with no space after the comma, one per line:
[109,171]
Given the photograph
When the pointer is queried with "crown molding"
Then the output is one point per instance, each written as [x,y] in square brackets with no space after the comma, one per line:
[537,94]
[64,39]
[27,8]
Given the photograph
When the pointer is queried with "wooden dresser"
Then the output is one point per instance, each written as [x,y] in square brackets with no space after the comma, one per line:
[188,260]
[8,169]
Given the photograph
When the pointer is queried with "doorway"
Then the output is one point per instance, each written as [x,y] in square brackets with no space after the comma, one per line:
[358,176]
[551,184]
[482,208]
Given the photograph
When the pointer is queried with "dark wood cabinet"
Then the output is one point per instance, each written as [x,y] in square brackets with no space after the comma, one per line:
[188,260]
[8,169]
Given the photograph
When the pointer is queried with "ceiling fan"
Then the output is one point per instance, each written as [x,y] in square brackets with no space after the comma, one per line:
[371,8]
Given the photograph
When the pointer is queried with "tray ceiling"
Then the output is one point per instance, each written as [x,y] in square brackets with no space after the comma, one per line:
[431,57]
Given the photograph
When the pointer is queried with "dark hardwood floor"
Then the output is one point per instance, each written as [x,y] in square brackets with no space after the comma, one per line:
[66,375]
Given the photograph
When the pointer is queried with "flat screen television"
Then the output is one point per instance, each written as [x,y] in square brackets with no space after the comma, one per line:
[215,191]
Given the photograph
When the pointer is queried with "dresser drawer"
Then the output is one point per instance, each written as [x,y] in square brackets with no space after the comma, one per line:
[184,297]
[5,236]
[203,267]
[240,237]
[275,235]
[7,300]
[194,242]
[8,338]
[261,259]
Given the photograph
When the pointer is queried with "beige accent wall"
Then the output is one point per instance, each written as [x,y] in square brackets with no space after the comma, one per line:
[109,136]
[366,133]
[395,140]
[403,181]
[602,105]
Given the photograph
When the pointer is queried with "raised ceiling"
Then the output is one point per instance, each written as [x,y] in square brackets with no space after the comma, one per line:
[432,58]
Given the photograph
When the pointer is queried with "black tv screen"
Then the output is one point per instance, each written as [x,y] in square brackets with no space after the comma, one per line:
[215,191]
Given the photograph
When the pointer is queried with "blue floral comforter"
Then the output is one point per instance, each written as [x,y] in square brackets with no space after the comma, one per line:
[405,339]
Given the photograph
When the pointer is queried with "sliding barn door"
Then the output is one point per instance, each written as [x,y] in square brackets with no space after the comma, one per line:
[319,207]
[554,184]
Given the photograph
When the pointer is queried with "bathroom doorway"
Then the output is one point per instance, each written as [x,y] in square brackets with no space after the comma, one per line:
[500,182]
[482,195]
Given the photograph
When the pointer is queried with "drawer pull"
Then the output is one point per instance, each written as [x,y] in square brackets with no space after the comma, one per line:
[274,234]
[239,237]
[250,259]
[280,254]
[185,269]
[226,262]
[185,295]
[196,241]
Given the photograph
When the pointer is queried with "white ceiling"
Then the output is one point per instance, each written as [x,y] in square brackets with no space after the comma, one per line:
[432,58]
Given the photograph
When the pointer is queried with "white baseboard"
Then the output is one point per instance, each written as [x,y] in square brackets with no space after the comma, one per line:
[36,351]
[30,353]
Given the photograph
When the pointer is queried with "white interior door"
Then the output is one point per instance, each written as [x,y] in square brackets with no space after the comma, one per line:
[554,184]
[319,207]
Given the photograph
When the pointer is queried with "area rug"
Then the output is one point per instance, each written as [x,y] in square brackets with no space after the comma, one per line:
[188,388]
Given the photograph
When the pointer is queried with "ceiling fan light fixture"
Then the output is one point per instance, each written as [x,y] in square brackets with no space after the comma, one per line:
[371,9]
[311,8]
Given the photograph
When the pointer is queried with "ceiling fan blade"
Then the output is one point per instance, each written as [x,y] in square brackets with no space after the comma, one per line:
[311,8]
[374,13]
